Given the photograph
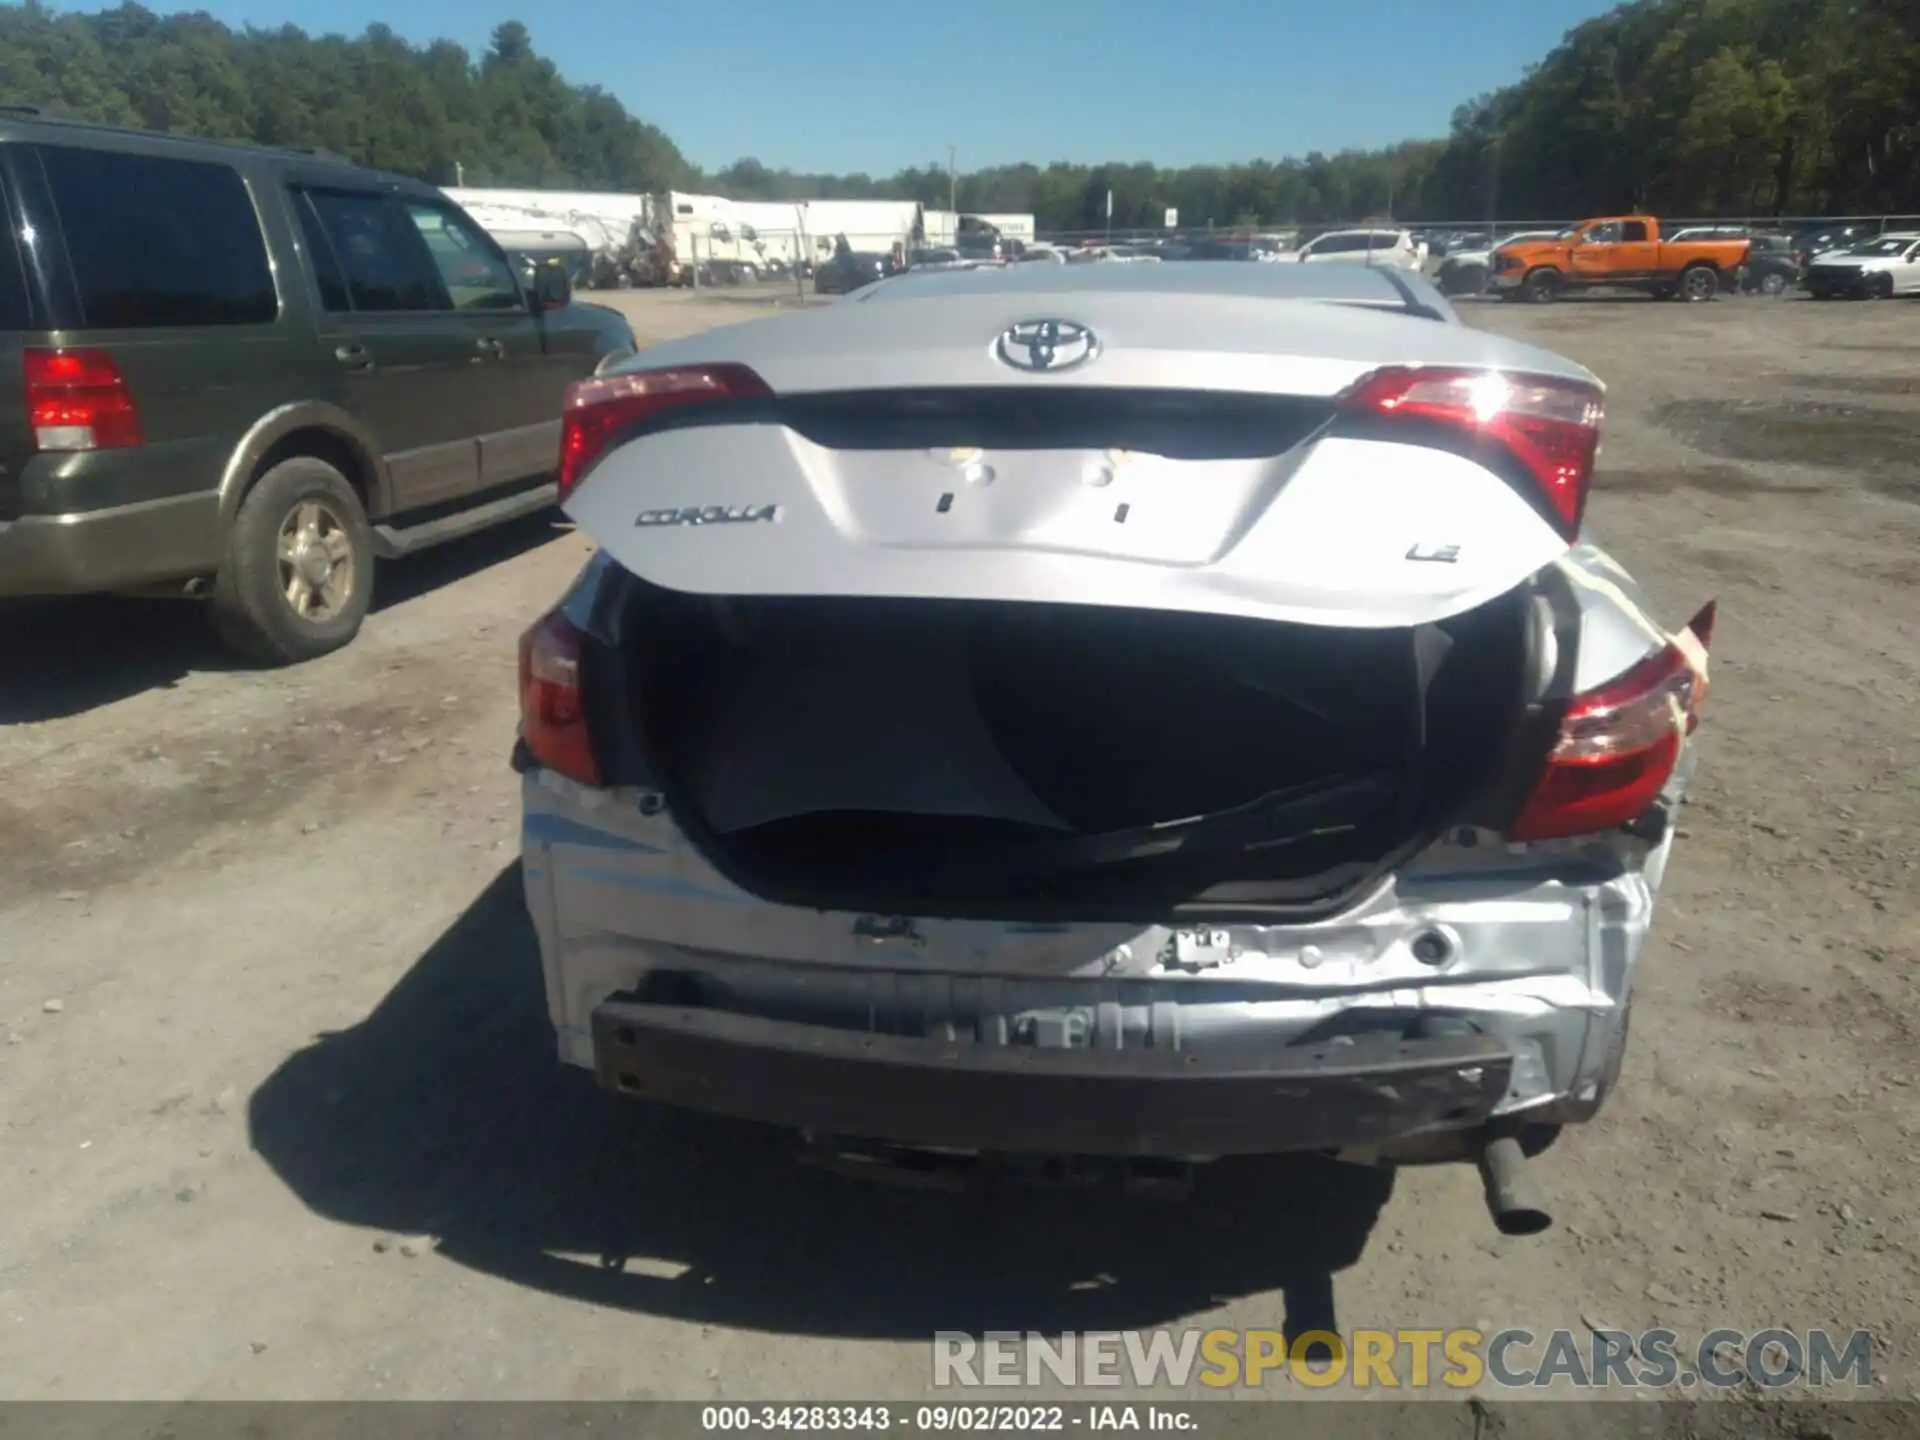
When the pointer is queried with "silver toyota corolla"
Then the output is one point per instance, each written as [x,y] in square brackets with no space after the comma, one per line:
[1117,711]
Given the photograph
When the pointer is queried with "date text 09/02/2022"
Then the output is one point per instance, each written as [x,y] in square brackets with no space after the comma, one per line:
[937,1419]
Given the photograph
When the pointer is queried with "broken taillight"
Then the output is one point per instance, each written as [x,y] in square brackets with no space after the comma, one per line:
[598,409]
[78,400]
[1550,426]
[1618,743]
[553,718]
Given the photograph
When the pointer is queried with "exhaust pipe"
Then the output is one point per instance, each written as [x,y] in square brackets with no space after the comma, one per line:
[1512,1199]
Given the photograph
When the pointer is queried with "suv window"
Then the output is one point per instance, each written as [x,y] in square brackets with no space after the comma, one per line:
[475,275]
[326,265]
[15,311]
[156,241]
[381,256]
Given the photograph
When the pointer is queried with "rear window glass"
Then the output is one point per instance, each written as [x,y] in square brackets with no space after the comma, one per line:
[15,312]
[156,241]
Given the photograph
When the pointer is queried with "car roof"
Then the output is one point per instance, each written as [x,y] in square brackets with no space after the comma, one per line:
[1341,284]
[23,123]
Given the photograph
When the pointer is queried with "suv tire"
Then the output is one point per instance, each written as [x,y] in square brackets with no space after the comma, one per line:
[1542,286]
[298,576]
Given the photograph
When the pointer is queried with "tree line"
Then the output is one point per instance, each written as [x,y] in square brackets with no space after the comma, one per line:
[1694,107]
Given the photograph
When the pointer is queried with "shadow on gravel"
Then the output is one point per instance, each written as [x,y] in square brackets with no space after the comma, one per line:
[65,657]
[446,1113]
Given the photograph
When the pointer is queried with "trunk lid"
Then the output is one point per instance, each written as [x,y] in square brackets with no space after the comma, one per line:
[1182,458]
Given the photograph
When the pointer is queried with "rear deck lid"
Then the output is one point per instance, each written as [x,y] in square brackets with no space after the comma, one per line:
[1177,446]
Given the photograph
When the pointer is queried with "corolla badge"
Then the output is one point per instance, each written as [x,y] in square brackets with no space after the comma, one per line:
[709,515]
[1047,346]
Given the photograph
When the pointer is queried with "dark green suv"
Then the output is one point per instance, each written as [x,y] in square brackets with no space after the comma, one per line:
[244,374]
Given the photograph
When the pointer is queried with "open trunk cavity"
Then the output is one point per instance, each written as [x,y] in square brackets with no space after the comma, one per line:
[985,758]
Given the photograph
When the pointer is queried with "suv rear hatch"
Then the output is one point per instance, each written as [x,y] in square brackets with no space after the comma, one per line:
[1080,647]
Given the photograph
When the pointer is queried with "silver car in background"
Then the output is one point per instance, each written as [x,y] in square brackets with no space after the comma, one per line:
[1157,711]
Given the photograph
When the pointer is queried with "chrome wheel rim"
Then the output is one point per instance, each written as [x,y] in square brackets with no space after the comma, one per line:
[316,562]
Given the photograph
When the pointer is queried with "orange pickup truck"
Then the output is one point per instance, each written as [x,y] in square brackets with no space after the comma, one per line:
[1617,252]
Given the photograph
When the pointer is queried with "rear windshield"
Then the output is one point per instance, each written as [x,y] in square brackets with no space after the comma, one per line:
[156,241]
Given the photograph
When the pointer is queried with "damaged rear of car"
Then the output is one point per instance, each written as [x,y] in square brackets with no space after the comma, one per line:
[1120,711]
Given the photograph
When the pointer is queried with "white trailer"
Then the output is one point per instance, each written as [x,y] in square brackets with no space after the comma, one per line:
[540,222]
[749,238]
[945,227]
[870,226]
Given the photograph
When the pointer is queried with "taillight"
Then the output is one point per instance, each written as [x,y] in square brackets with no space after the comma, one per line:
[1618,744]
[78,400]
[1550,426]
[553,719]
[598,409]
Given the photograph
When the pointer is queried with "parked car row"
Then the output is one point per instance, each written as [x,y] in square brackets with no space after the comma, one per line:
[1697,262]
[1392,248]
[1631,251]
[242,375]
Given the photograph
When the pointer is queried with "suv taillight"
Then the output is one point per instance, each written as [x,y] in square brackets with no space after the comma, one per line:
[553,718]
[598,409]
[78,400]
[1618,743]
[1549,425]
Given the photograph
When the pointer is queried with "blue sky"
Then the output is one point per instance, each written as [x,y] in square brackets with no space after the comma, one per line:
[875,85]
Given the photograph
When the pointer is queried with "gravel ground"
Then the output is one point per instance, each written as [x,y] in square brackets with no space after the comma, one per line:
[281,1118]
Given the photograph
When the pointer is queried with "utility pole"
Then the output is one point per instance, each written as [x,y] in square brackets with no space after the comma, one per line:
[1493,187]
[953,192]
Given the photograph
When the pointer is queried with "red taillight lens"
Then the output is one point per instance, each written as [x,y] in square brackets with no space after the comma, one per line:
[553,720]
[1551,426]
[1616,750]
[599,408]
[78,400]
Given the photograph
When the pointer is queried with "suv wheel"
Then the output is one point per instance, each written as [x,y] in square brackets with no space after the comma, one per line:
[1773,283]
[298,575]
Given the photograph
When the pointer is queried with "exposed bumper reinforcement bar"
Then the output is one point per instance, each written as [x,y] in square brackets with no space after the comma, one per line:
[1212,1101]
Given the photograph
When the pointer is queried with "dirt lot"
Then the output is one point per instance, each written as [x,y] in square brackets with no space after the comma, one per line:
[281,1117]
